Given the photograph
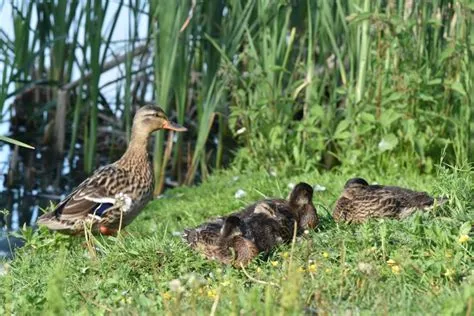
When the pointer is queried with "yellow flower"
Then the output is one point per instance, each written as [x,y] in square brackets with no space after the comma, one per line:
[396,269]
[328,270]
[274,263]
[300,269]
[259,270]
[448,254]
[285,254]
[463,238]
[166,296]
[449,272]
[325,254]
[312,268]
[391,262]
[212,293]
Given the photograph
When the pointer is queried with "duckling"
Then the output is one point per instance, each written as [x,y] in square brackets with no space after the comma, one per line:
[301,202]
[266,225]
[114,194]
[297,207]
[222,240]
[360,201]
[258,228]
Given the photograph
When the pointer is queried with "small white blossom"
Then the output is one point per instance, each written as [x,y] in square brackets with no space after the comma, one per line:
[319,188]
[240,194]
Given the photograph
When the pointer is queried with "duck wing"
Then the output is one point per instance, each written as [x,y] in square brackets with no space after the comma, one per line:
[95,195]
[387,201]
[410,198]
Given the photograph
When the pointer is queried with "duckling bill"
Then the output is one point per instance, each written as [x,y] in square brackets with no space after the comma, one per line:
[113,195]
[258,228]
[360,201]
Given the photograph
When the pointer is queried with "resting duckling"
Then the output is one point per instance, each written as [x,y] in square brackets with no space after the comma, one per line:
[114,194]
[360,201]
[262,225]
[222,240]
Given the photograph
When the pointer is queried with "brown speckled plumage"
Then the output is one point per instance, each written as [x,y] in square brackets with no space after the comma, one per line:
[223,240]
[114,194]
[360,201]
[261,226]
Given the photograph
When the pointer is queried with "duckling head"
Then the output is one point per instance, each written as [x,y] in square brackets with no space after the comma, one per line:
[302,194]
[231,227]
[150,118]
[355,182]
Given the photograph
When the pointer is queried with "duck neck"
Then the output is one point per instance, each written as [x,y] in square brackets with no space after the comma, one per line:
[136,152]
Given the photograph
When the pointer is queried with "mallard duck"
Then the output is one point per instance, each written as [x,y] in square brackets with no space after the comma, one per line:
[114,194]
[263,224]
[222,240]
[360,201]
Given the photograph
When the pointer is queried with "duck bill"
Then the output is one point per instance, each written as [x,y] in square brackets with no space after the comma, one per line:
[174,127]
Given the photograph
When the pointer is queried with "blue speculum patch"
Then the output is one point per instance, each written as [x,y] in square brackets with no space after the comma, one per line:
[101,208]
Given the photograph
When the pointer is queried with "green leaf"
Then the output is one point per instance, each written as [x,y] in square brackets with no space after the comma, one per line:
[393,97]
[15,142]
[427,98]
[341,132]
[434,82]
[367,117]
[457,86]
[388,117]
[316,111]
[465,228]
[388,142]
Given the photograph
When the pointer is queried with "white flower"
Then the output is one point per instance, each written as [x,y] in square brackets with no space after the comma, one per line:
[240,194]
[241,131]
[319,188]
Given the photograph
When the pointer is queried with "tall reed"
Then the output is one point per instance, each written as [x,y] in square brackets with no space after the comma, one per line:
[304,85]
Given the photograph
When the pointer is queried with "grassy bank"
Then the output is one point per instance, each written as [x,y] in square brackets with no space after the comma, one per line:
[421,265]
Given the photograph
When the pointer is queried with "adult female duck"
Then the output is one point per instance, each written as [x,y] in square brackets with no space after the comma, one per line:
[360,201]
[114,194]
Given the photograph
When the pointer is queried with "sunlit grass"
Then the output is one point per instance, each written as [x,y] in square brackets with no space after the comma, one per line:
[421,264]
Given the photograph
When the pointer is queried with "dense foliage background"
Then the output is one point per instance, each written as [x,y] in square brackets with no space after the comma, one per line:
[294,85]
[277,90]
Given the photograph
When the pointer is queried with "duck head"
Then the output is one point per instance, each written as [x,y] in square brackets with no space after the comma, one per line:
[150,118]
[355,182]
[301,194]
[231,227]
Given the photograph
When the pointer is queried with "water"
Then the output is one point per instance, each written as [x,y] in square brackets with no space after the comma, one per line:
[31,179]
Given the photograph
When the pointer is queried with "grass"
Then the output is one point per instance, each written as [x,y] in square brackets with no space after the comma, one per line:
[420,265]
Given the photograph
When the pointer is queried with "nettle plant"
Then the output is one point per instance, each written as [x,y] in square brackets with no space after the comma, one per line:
[382,87]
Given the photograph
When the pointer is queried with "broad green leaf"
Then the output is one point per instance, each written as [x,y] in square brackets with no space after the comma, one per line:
[393,97]
[388,117]
[457,86]
[340,132]
[367,117]
[465,228]
[388,142]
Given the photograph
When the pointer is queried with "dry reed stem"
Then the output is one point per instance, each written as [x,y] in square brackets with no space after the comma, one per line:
[251,278]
